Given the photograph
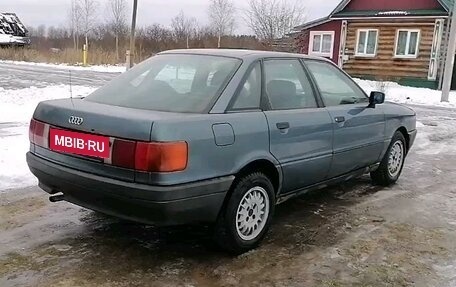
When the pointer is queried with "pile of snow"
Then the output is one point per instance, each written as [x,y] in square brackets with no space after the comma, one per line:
[14,144]
[16,110]
[18,105]
[408,95]
[96,68]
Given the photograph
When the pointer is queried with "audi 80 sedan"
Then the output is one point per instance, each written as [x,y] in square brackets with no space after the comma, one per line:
[218,137]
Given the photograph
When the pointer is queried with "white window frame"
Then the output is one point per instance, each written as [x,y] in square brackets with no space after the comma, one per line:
[407,44]
[321,34]
[364,53]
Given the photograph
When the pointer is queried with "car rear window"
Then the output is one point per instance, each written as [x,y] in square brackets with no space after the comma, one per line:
[171,83]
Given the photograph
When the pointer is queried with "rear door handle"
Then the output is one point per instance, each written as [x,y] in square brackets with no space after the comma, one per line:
[339,119]
[283,126]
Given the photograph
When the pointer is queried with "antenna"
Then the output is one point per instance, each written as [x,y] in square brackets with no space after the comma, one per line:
[71,90]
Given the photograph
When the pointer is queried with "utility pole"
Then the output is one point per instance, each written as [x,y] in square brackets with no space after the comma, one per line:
[131,52]
[449,63]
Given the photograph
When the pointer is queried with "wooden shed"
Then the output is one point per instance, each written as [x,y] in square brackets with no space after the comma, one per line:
[394,40]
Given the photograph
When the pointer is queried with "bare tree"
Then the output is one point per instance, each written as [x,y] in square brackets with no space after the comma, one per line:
[183,27]
[221,16]
[39,32]
[75,22]
[272,19]
[117,22]
[88,17]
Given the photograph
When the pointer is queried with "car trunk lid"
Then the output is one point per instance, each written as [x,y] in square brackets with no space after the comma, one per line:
[98,118]
[120,128]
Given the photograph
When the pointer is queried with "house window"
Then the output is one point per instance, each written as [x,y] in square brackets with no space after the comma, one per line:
[321,43]
[407,43]
[367,43]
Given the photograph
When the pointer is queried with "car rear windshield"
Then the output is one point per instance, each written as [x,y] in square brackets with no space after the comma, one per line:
[171,83]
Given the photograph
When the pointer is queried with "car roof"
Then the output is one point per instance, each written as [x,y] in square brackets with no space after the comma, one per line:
[239,53]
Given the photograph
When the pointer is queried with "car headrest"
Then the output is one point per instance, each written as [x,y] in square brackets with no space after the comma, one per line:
[218,78]
[281,88]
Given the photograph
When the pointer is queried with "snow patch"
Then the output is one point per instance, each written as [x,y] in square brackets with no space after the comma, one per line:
[16,110]
[19,105]
[96,68]
[409,95]
[14,144]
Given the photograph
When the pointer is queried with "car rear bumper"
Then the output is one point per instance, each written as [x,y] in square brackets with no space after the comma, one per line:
[156,205]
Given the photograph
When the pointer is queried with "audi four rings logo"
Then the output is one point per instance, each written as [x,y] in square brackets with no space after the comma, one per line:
[75,120]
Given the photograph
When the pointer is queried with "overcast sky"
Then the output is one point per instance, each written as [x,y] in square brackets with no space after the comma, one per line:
[54,12]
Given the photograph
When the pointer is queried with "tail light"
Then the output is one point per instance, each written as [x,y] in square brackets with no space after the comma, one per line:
[150,156]
[123,153]
[38,133]
[161,157]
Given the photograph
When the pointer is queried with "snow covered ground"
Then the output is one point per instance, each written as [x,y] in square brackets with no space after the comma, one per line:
[17,106]
[16,110]
[96,68]
[408,95]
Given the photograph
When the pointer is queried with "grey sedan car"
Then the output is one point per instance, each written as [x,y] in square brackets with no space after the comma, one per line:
[218,137]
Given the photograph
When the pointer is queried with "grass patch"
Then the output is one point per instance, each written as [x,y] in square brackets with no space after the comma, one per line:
[96,56]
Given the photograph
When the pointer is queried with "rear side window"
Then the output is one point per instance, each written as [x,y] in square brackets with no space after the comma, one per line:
[249,96]
[336,88]
[170,83]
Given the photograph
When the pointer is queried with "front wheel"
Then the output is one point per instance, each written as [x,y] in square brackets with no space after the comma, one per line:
[390,168]
[247,216]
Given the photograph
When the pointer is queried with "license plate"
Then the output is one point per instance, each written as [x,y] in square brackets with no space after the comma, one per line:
[79,143]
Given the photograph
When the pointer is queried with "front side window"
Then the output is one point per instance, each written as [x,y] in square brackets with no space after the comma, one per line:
[321,43]
[287,85]
[407,43]
[367,43]
[335,87]
[171,83]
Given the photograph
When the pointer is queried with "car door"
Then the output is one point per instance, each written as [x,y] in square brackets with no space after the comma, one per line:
[359,130]
[300,131]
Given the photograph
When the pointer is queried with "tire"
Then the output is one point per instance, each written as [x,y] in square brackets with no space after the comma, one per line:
[241,226]
[390,168]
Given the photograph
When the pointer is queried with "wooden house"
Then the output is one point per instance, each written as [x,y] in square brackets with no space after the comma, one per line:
[395,40]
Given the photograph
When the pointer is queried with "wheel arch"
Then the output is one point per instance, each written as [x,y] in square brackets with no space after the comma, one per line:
[406,135]
[263,165]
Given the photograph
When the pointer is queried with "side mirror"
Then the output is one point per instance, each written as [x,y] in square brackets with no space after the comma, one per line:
[376,98]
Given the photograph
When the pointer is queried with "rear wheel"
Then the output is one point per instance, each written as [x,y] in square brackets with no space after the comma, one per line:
[247,215]
[393,162]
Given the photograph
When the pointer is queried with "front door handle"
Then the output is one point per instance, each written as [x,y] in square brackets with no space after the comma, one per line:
[283,126]
[339,119]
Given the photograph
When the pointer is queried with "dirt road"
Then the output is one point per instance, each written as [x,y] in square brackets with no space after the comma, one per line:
[350,235]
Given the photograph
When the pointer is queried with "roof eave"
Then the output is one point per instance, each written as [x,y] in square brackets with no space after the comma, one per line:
[344,4]
[340,7]
[313,23]
[444,5]
[389,17]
